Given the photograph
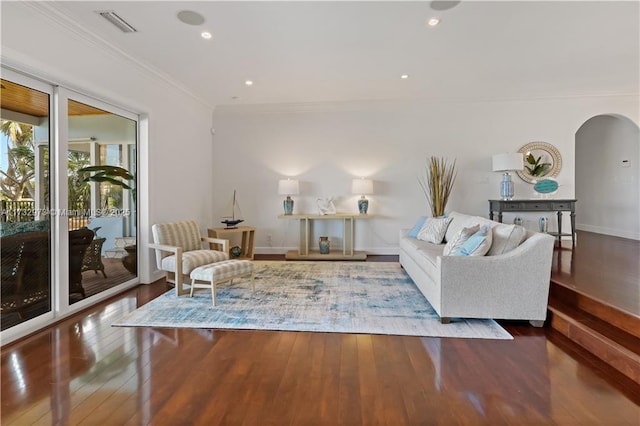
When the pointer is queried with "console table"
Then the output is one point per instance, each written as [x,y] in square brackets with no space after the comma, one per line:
[247,243]
[305,253]
[544,205]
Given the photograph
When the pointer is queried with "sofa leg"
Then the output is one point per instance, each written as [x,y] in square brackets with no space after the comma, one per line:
[445,320]
[537,323]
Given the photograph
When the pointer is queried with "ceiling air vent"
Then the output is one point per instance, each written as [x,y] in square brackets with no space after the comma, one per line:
[122,25]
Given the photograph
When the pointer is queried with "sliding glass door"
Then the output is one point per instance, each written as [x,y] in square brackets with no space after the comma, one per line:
[25,222]
[101,172]
[68,192]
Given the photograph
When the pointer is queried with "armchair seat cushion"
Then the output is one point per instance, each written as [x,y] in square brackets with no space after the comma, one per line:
[192,259]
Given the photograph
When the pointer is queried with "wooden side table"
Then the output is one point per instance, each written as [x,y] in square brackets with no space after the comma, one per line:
[247,244]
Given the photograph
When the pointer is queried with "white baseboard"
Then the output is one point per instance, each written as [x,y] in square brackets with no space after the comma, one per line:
[608,231]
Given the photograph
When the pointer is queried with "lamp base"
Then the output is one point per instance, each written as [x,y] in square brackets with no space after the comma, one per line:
[363,205]
[288,205]
[507,188]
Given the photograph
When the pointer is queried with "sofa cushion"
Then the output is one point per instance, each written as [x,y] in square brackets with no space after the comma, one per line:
[423,253]
[434,229]
[459,239]
[506,238]
[477,245]
[413,233]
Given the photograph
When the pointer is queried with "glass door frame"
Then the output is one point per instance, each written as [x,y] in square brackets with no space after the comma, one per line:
[46,318]
[58,189]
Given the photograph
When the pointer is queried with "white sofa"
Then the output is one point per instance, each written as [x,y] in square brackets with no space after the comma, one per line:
[513,285]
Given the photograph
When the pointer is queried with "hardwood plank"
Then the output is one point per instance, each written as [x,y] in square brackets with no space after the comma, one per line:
[93,373]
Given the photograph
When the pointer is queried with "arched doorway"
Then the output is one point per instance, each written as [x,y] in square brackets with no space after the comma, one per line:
[607,152]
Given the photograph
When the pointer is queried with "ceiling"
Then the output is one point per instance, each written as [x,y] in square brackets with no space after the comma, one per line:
[22,99]
[344,51]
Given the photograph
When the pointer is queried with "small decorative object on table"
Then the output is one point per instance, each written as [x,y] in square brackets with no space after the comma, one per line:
[543,224]
[324,245]
[326,206]
[236,251]
[233,221]
[517,221]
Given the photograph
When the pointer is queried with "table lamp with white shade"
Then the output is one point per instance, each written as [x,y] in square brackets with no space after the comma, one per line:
[505,163]
[362,187]
[288,187]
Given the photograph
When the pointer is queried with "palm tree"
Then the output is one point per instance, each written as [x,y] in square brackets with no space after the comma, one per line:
[17,181]
[79,189]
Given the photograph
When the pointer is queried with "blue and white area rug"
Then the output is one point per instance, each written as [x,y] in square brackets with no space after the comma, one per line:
[336,297]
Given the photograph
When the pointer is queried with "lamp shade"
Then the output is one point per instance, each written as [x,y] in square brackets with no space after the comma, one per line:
[505,162]
[288,187]
[362,186]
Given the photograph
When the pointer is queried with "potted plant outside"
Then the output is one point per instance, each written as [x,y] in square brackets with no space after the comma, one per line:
[121,177]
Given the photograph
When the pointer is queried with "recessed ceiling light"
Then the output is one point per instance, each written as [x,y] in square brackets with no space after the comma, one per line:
[249,83]
[404,76]
[206,35]
[433,22]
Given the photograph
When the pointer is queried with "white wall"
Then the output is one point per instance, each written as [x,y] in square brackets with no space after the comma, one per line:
[175,159]
[326,145]
[608,192]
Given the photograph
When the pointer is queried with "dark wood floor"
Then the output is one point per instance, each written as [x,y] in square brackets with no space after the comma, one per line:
[83,371]
[604,267]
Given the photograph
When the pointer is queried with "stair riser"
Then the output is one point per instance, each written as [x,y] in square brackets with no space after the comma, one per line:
[620,358]
[615,317]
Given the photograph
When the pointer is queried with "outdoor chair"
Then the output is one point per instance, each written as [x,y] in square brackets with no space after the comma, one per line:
[79,241]
[25,273]
[179,251]
[92,260]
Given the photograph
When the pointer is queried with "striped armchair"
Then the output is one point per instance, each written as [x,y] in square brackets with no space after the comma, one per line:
[179,250]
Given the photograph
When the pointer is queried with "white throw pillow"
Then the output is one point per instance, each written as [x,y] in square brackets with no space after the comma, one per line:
[506,238]
[459,239]
[434,229]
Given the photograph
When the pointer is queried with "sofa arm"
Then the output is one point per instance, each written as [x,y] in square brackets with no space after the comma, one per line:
[514,285]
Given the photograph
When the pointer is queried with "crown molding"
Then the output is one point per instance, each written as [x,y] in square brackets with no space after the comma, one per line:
[54,12]
[398,104]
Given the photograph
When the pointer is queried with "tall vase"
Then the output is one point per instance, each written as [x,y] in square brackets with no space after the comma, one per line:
[324,245]
[543,224]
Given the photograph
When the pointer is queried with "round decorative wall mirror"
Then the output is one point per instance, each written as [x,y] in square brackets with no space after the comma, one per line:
[541,160]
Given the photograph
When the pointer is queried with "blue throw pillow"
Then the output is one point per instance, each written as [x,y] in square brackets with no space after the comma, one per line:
[477,245]
[417,227]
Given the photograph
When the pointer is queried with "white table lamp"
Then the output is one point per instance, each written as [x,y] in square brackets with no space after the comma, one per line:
[288,187]
[362,187]
[505,163]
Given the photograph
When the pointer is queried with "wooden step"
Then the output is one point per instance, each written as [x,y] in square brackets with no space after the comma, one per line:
[610,314]
[615,346]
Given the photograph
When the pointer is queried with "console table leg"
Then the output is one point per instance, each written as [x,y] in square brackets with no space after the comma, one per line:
[559,228]
[573,227]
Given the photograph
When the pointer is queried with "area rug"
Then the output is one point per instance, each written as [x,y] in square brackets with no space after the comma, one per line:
[335,297]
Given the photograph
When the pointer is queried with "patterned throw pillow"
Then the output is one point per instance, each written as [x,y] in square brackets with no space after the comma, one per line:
[434,229]
[506,238]
[477,245]
[463,235]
